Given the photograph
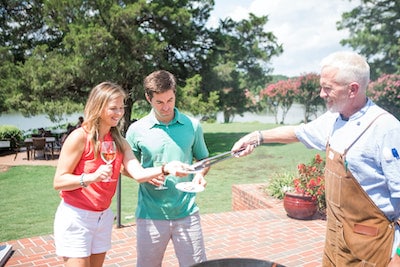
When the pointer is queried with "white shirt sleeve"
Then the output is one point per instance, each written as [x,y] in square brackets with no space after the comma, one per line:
[315,134]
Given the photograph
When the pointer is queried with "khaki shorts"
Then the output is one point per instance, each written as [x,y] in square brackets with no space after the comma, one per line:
[153,237]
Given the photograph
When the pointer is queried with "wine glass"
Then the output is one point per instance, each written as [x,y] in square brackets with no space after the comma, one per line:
[108,153]
[159,161]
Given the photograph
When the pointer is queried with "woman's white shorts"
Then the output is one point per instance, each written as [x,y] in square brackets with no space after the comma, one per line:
[79,233]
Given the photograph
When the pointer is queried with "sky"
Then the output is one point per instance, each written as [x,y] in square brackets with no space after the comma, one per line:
[305,28]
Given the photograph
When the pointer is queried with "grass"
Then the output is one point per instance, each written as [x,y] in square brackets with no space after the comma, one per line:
[28,201]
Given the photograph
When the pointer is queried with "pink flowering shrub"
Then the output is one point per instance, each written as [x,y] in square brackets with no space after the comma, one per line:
[280,94]
[385,92]
[308,94]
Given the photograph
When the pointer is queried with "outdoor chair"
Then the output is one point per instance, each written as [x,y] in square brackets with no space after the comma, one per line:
[39,145]
[18,145]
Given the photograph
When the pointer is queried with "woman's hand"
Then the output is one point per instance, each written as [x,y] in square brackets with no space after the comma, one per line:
[102,173]
[177,168]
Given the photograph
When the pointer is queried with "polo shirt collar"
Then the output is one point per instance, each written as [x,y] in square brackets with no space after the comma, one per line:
[177,118]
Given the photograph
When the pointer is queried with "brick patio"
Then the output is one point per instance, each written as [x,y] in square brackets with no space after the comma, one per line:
[258,228]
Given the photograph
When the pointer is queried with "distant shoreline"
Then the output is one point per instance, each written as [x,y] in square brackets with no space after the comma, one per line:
[294,116]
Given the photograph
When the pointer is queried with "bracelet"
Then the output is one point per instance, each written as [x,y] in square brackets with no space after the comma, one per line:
[260,138]
[82,183]
[398,251]
[163,170]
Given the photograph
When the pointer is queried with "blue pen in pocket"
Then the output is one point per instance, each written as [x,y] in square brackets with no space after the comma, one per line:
[395,153]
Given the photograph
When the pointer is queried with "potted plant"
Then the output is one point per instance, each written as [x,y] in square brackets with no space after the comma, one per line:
[308,187]
[279,183]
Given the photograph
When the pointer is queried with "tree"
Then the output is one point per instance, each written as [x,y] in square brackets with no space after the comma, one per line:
[73,45]
[308,94]
[23,28]
[121,41]
[189,98]
[374,28]
[8,81]
[238,61]
[280,95]
[385,92]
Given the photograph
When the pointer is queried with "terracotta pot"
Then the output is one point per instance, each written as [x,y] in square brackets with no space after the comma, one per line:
[298,206]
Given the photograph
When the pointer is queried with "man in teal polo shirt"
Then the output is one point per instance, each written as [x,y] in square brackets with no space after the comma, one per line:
[167,213]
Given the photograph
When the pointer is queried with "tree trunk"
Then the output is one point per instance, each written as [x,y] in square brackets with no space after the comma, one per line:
[127,115]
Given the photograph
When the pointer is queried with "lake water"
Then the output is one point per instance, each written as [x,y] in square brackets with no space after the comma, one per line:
[294,116]
[35,122]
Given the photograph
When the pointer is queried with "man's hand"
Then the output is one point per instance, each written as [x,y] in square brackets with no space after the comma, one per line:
[199,179]
[246,144]
[157,181]
[395,261]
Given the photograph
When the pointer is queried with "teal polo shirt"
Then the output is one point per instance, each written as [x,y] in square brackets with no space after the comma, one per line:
[182,139]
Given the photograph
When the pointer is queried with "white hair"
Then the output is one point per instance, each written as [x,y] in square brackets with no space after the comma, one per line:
[351,66]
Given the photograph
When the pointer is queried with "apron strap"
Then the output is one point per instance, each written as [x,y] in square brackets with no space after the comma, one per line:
[369,125]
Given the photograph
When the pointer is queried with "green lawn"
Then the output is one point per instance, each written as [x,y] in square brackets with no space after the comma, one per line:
[28,200]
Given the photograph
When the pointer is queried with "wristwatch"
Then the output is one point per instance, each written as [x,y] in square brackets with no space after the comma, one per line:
[398,251]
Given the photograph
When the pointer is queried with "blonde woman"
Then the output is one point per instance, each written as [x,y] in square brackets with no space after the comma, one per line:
[83,221]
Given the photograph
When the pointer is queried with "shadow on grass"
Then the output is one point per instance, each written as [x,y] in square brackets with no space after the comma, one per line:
[221,142]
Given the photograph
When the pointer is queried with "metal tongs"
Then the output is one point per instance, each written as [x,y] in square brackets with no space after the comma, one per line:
[207,162]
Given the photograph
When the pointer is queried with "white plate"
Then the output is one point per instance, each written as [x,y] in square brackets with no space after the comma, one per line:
[189,187]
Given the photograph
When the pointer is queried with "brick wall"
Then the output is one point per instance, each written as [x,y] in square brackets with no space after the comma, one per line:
[249,197]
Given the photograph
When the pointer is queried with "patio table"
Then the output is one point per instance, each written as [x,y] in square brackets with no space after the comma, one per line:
[49,140]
